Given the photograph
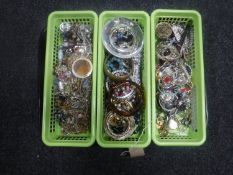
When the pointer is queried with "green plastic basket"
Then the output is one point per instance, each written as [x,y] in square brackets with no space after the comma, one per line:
[51,131]
[135,140]
[197,134]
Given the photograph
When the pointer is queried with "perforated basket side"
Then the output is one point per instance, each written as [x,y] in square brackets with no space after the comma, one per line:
[136,140]
[51,131]
[197,131]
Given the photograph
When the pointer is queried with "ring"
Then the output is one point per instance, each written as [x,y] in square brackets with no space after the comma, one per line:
[82,68]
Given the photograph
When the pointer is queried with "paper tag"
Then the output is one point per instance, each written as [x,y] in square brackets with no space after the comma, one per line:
[136,152]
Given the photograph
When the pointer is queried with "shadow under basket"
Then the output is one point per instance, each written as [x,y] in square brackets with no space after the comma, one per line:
[51,131]
[197,131]
[143,138]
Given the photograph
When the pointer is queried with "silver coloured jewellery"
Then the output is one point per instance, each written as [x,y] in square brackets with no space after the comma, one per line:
[174,77]
[73,81]
[167,52]
[163,30]
[119,127]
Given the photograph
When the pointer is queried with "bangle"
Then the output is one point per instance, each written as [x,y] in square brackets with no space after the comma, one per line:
[126,98]
[118,69]
[119,127]
[122,37]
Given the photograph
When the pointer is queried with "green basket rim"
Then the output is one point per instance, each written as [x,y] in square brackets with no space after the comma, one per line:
[192,13]
[99,89]
[45,97]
